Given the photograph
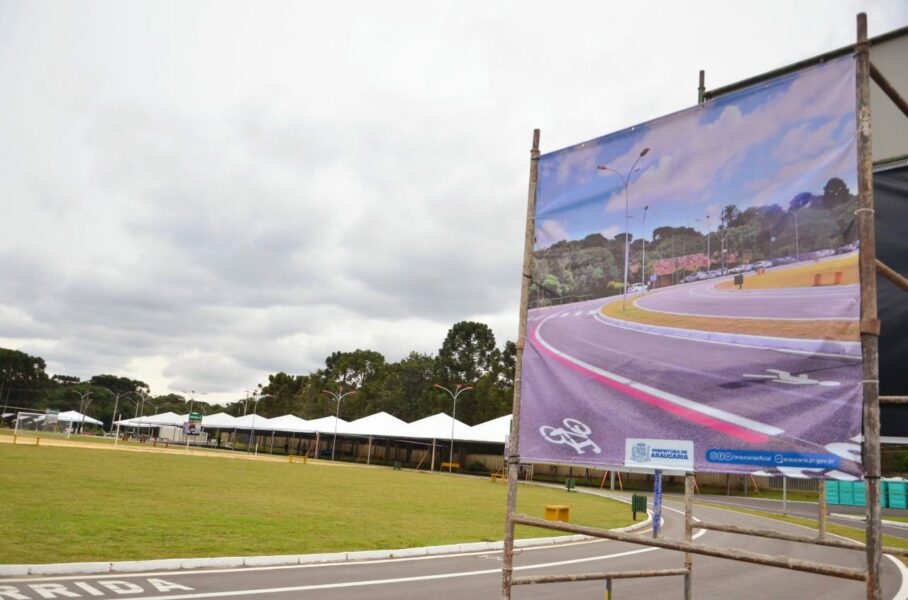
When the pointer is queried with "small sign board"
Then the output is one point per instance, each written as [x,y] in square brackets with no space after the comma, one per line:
[51,416]
[194,425]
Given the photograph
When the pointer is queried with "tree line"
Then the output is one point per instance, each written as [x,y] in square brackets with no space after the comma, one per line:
[407,389]
[570,271]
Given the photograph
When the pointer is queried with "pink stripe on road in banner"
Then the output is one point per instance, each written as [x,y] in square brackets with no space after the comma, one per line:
[730,424]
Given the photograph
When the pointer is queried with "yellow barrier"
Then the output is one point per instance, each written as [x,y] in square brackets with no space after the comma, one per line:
[558,512]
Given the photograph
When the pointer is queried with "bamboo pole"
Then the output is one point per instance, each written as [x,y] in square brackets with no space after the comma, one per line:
[688,533]
[870,325]
[821,511]
[757,558]
[534,579]
[891,274]
[787,537]
[888,89]
[507,564]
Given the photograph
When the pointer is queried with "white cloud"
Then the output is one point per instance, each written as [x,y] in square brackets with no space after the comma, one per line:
[197,206]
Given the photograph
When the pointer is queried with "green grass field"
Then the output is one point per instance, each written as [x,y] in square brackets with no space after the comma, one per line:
[60,504]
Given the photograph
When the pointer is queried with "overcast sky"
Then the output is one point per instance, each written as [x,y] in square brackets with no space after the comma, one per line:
[198,194]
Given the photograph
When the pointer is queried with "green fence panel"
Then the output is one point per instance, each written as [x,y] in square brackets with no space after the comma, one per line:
[860,493]
[897,494]
[832,492]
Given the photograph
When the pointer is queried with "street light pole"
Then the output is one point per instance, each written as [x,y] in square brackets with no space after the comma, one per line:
[338,397]
[708,260]
[643,271]
[83,406]
[117,396]
[797,239]
[626,179]
[457,392]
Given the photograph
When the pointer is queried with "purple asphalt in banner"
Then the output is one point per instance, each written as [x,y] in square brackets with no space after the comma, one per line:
[726,231]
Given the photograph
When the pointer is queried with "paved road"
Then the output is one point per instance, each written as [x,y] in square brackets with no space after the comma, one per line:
[472,576]
[706,300]
[628,383]
[842,515]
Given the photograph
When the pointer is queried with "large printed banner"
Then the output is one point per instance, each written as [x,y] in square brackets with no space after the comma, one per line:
[695,295]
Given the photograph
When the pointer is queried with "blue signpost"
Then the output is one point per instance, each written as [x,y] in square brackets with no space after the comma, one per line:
[657,503]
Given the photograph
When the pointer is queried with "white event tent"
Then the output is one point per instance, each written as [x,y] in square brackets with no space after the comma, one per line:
[165,419]
[74,416]
[495,431]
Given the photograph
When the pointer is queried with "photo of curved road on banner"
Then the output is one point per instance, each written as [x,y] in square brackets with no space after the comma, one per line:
[723,336]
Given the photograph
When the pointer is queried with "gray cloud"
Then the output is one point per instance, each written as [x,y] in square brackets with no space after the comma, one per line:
[197,206]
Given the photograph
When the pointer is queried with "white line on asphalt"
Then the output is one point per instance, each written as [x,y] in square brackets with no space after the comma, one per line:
[602,320]
[371,582]
[703,409]
[748,317]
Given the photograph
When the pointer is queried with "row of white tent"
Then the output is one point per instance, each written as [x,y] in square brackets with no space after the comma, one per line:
[69,416]
[378,425]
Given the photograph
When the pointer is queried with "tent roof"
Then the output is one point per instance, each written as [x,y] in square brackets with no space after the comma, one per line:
[438,427]
[327,425]
[380,424]
[495,430]
[74,416]
[289,423]
[218,420]
[252,421]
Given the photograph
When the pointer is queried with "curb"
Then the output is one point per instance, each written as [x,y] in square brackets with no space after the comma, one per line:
[900,524]
[798,345]
[230,562]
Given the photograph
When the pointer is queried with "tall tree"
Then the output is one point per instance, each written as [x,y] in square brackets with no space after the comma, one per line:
[23,382]
[466,354]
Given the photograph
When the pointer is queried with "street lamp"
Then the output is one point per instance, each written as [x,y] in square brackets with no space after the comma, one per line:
[338,397]
[708,260]
[117,396]
[457,391]
[797,240]
[83,406]
[255,407]
[643,271]
[626,179]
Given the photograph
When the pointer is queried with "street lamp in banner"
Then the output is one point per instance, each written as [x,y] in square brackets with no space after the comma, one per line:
[626,179]
[458,390]
[338,397]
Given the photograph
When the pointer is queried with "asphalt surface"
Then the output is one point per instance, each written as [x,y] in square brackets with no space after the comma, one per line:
[851,516]
[706,300]
[623,383]
[477,575]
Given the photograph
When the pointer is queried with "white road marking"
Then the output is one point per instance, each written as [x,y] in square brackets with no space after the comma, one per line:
[780,376]
[600,318]
[704,409]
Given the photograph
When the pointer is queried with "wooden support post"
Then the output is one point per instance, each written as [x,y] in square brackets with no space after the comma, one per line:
[821,510]
[507,566]
[688,533]
[870,325]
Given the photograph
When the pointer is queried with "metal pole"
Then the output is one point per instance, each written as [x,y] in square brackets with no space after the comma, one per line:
[627,244]
[369,455]
[688,532]
[336,419]
[784,495]
[612,480]
[870,325]
[453,417]
[507,559]
[433,454]
[657,502]
[643,270]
